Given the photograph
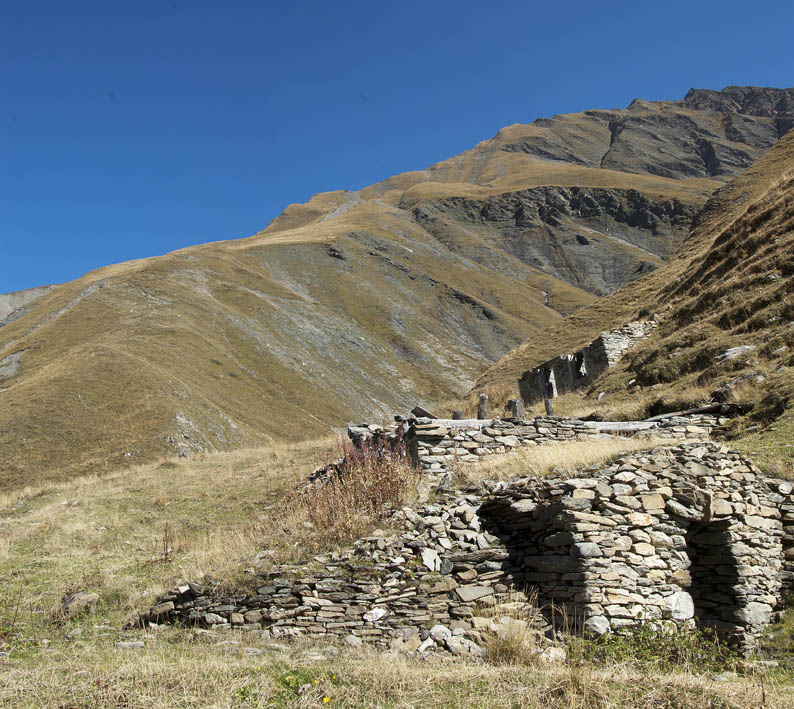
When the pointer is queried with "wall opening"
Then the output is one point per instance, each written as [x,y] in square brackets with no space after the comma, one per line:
[579,369]
[715,578]
[548,384]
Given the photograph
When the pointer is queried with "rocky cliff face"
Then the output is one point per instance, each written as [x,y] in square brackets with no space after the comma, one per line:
[358,303]
[597,239]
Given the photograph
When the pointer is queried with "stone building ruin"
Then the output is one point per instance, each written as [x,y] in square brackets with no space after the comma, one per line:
[567,373]
[692,534]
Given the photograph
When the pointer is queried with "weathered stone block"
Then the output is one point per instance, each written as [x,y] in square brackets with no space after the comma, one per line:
[467,594]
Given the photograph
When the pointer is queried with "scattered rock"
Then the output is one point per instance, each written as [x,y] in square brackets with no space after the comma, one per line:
[78,603]
[552,654]
[375,614]
[734,353]
[462,646]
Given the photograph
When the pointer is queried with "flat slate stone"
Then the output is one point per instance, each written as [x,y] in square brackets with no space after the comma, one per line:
[472,593]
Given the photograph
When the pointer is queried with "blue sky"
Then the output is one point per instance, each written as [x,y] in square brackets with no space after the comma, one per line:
[130,129]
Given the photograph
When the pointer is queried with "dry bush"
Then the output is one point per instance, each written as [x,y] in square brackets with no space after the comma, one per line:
[510,632]
[370,484]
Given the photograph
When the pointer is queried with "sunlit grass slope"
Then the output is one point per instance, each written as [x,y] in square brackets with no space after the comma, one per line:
[359,304]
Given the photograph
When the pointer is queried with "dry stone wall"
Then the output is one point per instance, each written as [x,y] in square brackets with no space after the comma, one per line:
[691,534]
[419,589]
[436,444]
[694,533]
[566,373]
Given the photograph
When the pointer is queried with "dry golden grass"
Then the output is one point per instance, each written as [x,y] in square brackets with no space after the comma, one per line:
[508,630]
[175,671]
[498,394]
[131,534]
[561,459]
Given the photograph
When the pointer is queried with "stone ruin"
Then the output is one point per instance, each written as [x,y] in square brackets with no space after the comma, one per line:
[693,535]
[569,372]
[435,445]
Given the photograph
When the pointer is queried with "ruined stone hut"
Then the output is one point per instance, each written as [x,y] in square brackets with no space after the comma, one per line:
[692,534]
[569,372]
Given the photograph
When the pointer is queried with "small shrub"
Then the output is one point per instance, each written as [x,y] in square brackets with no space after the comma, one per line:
[369,485]
[778,640]
[308,684]
[171,542]
[512,636]
[512,643]
[662,649]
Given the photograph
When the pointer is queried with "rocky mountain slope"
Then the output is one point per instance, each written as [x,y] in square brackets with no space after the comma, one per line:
[15,305]
[358,303]
[726,304]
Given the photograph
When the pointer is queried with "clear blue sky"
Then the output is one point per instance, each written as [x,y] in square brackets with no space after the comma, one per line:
[130,129]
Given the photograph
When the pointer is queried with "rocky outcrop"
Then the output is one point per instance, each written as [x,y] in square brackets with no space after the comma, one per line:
[597,239]
[757,101]
[15,305]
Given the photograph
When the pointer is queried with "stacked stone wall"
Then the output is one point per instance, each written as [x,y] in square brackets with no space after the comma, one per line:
[690,534]
[436,445]
[694,532]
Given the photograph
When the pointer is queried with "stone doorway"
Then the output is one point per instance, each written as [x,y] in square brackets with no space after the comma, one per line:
[548,383]
[715,581]
[578,368]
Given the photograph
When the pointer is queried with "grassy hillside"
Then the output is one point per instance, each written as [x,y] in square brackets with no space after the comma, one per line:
[728,286]
[232,345]
[358,304]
